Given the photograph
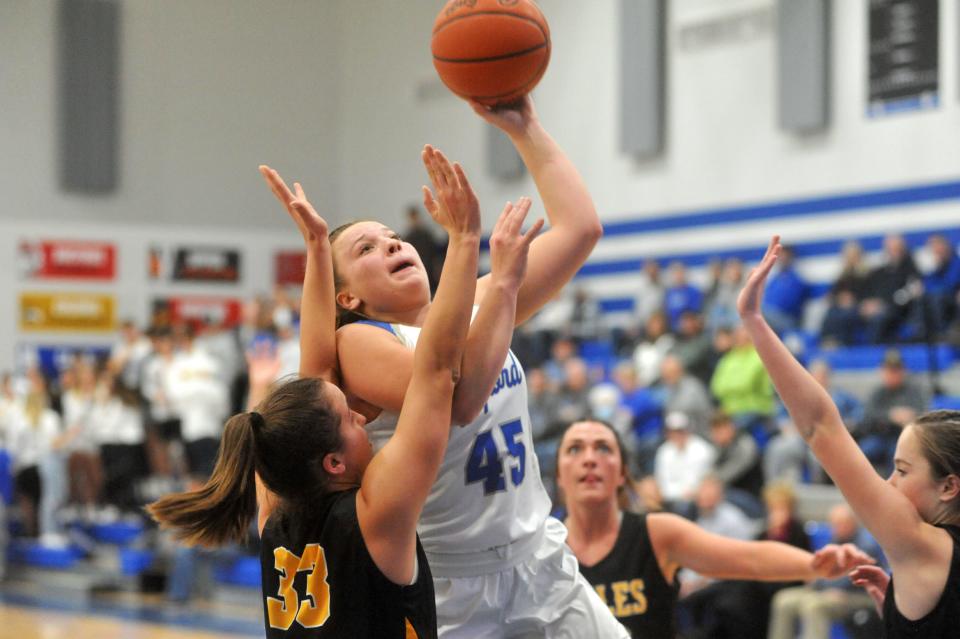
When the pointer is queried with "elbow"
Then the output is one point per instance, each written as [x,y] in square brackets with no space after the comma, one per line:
[464,413]
[593,230]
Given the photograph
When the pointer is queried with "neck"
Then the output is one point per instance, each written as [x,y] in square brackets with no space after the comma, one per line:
[411,317]
[589,522]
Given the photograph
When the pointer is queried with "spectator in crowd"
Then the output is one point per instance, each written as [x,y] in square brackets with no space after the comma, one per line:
[128,353]
[199,396]
[737,464]
[34,430]
[430,251]
[681,463]
[562,350]
[573,396]
[118,421]
[742,387]
[842,324]
[896,402]
[222,342]
[585,323]
[818,604]
[80,445]
[649,293]
[892,287]
[786,295]
[680,295]
[680,392]
[721,306]
[644,413]
[653,347]
[546,428]
[941,287]
[694,347]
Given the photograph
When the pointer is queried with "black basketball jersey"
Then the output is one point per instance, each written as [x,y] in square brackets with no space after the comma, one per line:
[319,580]
[630,582]
[941,622]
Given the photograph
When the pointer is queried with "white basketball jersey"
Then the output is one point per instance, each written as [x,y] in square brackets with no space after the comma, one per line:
[488,492]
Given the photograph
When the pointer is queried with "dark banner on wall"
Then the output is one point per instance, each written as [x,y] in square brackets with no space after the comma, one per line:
[289,267]
[199,310]
[206,264]
[904,62]
[67,259]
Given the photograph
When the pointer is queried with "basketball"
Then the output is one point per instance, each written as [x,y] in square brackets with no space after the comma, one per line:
[493,51]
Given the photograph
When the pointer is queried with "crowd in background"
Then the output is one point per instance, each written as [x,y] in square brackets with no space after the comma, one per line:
[681,383]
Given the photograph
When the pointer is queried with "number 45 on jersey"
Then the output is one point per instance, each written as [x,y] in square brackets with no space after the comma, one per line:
[485,464]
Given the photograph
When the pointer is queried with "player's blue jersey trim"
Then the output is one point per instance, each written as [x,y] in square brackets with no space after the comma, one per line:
[384,325]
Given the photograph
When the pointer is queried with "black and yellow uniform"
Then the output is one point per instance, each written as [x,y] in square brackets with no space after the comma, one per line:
[319,580]
[941,622]
[630,582]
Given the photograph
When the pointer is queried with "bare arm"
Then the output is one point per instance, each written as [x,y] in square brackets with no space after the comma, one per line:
[575,227]
[399,477]
[679,543]
[885,511]
[318,312]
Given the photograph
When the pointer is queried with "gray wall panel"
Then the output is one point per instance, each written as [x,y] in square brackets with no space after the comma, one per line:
[803,63]
[642,69]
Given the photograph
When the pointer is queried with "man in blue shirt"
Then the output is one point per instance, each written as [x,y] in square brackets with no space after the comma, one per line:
[785,295]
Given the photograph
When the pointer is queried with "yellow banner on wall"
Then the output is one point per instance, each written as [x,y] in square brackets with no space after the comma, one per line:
[67,312]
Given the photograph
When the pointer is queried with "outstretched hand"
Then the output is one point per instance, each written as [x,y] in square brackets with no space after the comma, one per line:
[833,560]
[509,246]
[750,298]
[512,119]
[454,205]
[875,581]
[312,227]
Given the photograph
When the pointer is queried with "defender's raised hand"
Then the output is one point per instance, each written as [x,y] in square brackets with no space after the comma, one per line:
[452,203]
[748,303]
[312,227]
[509,246]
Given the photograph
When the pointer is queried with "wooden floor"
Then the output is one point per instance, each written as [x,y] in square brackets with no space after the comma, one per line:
[38,623]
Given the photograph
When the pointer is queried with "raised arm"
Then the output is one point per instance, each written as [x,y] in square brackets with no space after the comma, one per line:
[575,228]
[884,510]
[399,477]
[679,543]
[318,310]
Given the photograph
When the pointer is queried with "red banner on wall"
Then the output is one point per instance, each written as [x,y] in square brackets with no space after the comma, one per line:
[289,267]
[200,310]
[76,259]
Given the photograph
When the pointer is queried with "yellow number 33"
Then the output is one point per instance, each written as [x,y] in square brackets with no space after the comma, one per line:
[314,610]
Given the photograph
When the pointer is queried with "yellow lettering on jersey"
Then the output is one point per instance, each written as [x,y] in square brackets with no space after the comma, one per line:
[312,611]
[628,597]
[620,591]
[410,633]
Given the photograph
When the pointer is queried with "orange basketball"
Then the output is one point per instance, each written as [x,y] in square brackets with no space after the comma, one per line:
[493,51]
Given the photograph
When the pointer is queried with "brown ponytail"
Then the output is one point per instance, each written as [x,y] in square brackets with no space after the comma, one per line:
[284,442]
[221,510]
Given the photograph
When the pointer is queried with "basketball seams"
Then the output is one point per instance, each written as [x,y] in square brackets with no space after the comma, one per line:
[520,90]
[546,36]
[494,58]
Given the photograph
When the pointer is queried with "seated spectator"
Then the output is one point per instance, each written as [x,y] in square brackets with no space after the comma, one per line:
[940,287]
[680,295]
[818,604]
[644,416]
[653,347]
[694,347]
[785,295]
[683,393]
[896,402]
[721,308]
[742,387]
[573,396]
[737,464]
[842,325]
[562,350]
[681,463]
[891,290]
[649,293]
[585,322]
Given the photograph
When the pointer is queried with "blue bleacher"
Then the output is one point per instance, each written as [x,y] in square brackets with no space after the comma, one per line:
[242,571]
[916,357]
